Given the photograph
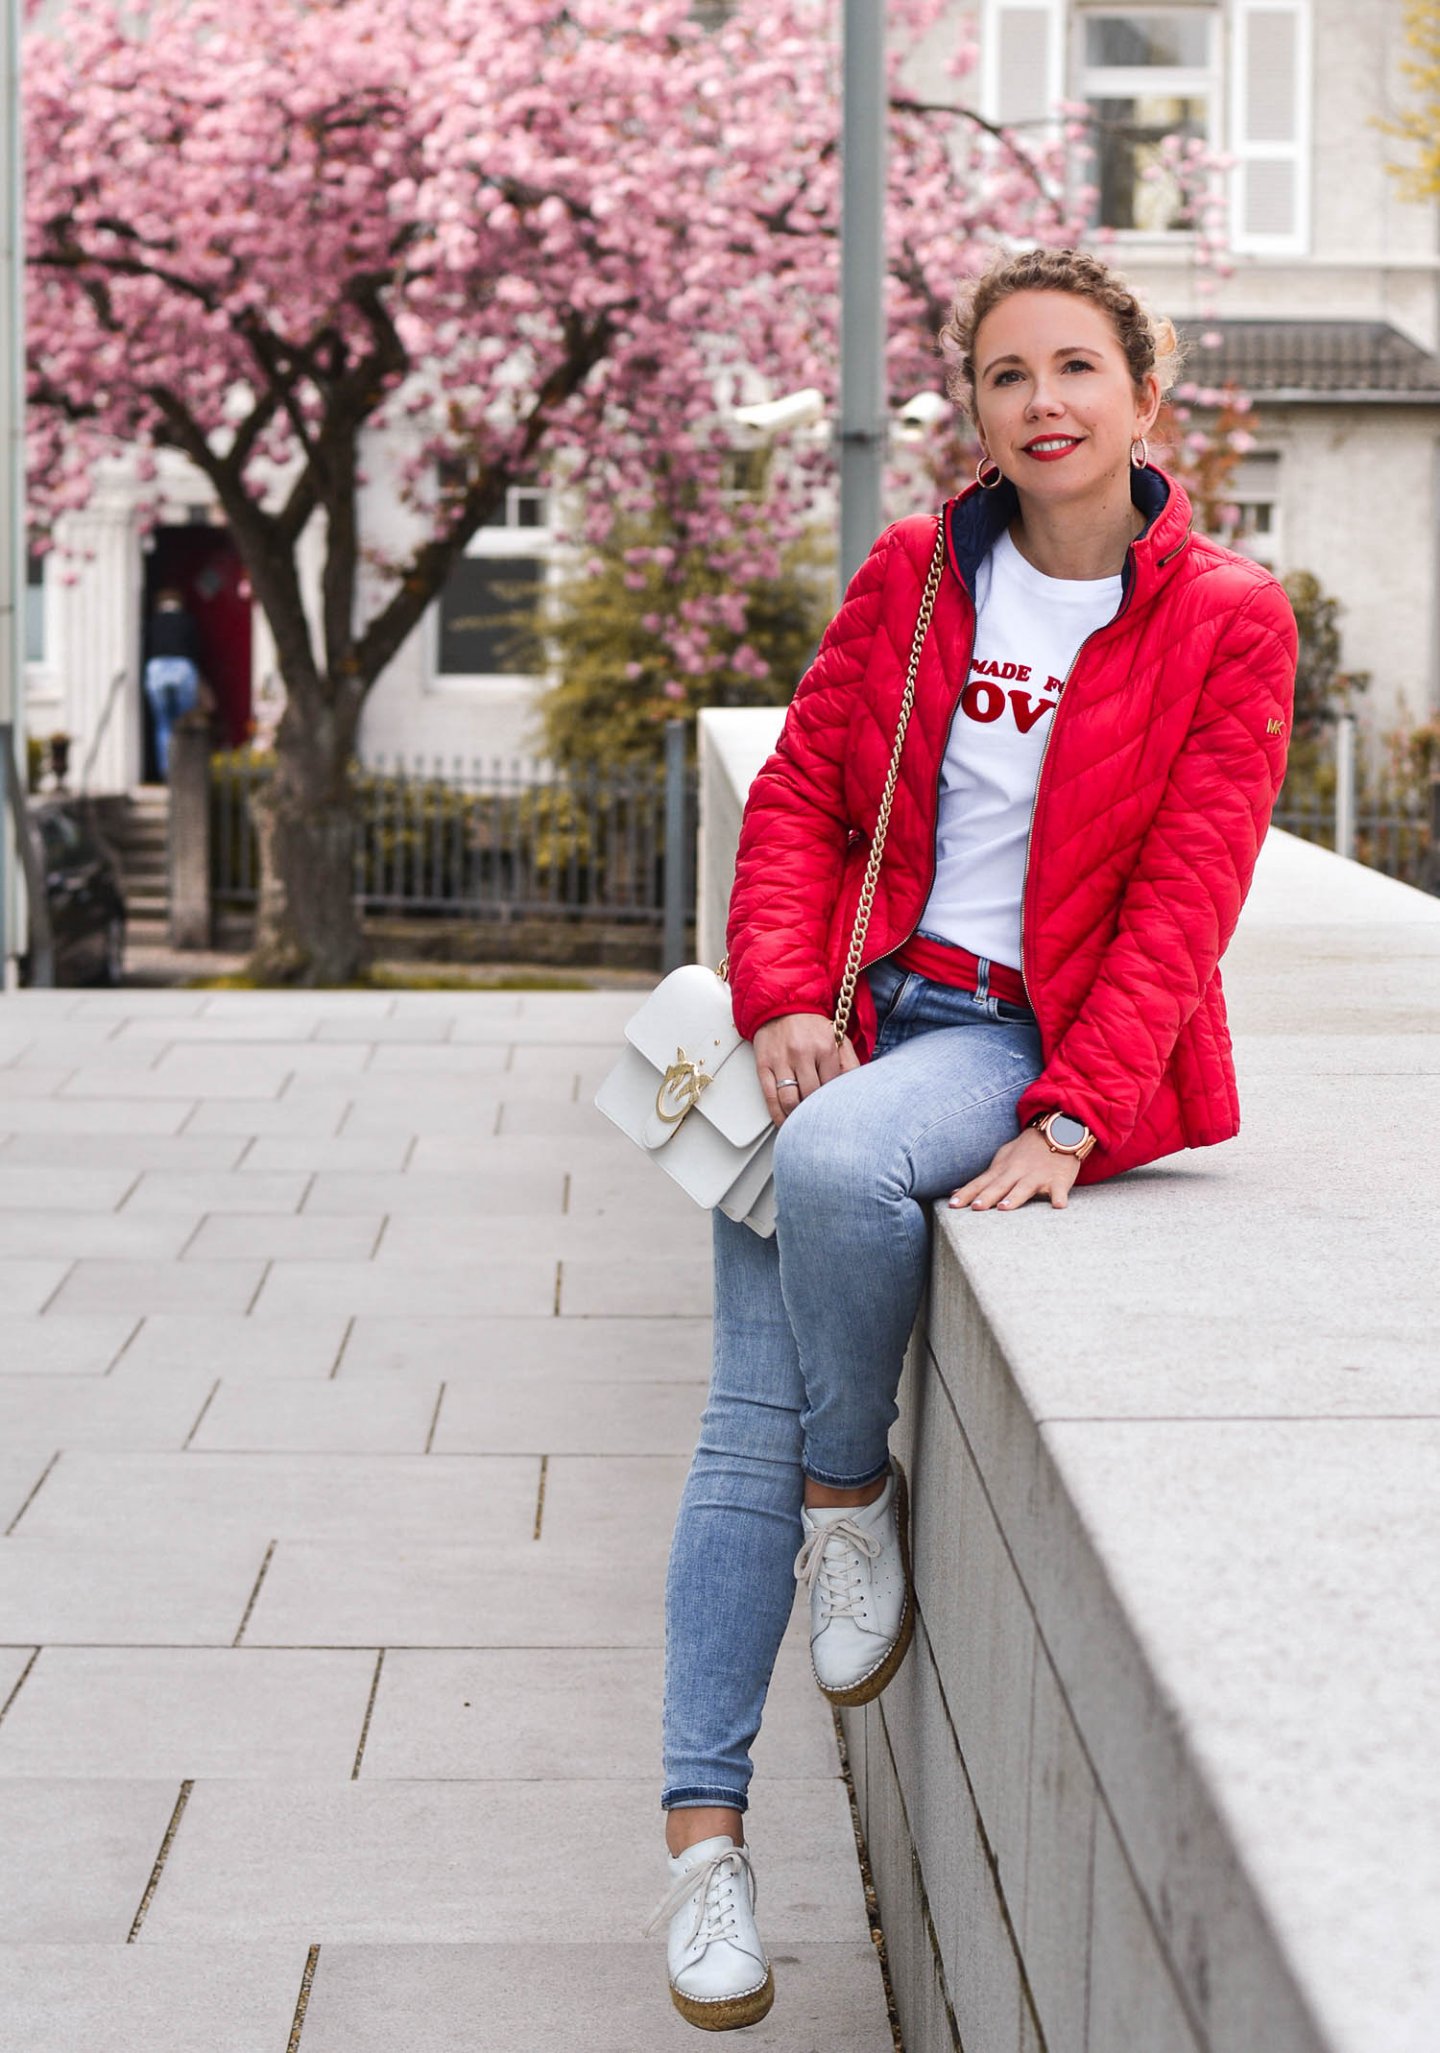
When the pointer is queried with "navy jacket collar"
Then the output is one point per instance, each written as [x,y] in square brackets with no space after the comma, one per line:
[978,518]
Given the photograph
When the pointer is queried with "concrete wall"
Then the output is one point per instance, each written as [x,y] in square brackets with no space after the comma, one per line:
[1359,498]
[1158,1774]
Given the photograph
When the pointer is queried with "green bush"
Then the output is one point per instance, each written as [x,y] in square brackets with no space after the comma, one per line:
[617,682]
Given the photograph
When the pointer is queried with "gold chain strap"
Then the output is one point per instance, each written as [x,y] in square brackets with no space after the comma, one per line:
[887,799]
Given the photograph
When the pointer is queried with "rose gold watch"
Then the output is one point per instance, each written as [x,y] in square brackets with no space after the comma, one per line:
[1064,1135]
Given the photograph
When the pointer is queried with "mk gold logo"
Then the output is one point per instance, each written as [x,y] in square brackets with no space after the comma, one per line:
[1274,726]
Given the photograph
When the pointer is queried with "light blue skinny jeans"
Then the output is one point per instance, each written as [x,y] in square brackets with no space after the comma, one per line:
[811,1329]
[172,685]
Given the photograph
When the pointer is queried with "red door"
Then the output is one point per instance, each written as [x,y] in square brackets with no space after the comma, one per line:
[203,565]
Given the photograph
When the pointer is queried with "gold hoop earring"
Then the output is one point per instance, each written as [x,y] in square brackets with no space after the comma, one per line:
[1139,462]
[988,484]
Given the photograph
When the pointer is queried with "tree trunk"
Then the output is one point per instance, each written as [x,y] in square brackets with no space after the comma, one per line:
[307,930]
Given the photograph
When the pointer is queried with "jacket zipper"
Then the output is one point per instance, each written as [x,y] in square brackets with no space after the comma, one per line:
[939,777]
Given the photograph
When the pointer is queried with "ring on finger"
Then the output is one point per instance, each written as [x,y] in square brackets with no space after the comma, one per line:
[786,1083]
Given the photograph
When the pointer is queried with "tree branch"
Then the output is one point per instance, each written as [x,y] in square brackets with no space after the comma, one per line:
[271,566]
[999,132]
[431,564]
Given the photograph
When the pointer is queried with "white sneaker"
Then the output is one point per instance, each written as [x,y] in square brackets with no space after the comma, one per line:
[856,1565]
[719,1975]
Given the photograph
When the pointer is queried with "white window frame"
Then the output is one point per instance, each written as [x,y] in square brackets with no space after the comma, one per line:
[1262,491]
[42,679]
[1112,82]
[37,659]
[501,542]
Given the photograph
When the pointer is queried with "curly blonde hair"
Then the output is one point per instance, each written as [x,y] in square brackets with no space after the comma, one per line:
[1150,343]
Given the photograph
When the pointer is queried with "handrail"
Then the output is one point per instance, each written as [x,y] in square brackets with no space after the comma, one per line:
[101,724]
[42,939]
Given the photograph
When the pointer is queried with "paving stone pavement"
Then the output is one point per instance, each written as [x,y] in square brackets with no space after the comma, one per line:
[349,1365]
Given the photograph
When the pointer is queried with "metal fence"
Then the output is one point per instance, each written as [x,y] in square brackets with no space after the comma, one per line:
[1391,840]
[521,840]
[495,840]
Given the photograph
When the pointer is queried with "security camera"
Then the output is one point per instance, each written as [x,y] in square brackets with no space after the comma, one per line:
[925,409]
[795,410]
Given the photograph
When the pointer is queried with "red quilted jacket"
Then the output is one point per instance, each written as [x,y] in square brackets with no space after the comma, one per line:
[1165,755]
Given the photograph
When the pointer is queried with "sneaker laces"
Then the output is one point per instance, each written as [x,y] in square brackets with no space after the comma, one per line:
[842,1589]
[714,1903]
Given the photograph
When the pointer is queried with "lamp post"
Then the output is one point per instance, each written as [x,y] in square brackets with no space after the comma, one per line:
[862,284]
[12,479]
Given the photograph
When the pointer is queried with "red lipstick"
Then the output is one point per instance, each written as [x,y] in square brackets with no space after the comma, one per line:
[1043,455]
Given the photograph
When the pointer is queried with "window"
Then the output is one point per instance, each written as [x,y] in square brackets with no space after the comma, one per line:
[34,609]
[484,624]
[1145,75]
[1255,490]
[487,608]
[745,472]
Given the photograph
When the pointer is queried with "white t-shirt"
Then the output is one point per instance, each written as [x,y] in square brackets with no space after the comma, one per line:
[1028,629]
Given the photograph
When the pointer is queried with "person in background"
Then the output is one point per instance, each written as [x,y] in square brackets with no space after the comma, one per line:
[173,684]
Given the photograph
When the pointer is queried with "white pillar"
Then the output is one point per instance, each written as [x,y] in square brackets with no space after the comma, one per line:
[1345,786]
[12,467]
[97,634]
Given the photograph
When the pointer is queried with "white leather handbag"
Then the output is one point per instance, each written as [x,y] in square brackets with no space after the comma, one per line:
[685,1088]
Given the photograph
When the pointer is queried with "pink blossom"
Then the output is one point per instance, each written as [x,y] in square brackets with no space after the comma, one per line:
[552,234]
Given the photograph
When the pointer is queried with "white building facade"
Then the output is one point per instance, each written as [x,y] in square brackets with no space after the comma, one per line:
[1331,317]
[1331,321]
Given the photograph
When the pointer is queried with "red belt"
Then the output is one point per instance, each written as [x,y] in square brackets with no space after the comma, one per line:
[945,963]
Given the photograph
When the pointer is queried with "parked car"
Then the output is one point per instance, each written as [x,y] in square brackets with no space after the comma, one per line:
[83,892]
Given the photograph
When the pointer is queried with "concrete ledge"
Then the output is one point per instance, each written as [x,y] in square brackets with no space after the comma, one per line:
[1162,1765]
[1159,1775]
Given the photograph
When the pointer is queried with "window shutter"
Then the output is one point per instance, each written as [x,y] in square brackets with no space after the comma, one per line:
[1270,126]
[1022,60]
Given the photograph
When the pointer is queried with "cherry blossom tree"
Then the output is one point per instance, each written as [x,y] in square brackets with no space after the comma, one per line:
[517,241]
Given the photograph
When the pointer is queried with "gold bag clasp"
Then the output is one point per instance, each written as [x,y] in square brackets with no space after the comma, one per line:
[680,1088]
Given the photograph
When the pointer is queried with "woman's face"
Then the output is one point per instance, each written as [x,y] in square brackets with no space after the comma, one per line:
[1056,406]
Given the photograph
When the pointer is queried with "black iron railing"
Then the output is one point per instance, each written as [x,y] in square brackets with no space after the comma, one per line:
[479,840]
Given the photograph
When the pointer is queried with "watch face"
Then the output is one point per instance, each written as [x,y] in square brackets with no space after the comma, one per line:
[1067,1132]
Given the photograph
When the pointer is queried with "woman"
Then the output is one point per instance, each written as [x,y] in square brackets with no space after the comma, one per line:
[1042,1006]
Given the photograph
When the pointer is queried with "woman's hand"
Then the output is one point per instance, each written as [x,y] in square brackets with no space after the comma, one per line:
[795,1055]
[1022,1169]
